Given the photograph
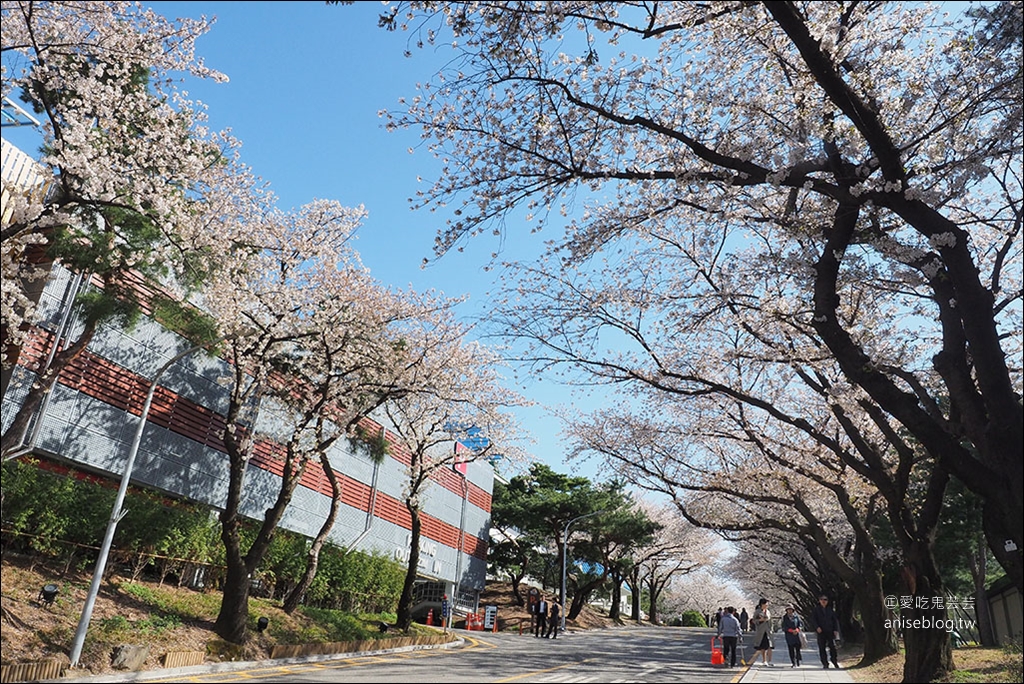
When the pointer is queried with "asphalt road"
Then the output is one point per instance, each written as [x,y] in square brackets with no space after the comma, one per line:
[629,654]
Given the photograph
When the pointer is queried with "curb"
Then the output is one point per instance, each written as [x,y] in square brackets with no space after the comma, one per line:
[213,668]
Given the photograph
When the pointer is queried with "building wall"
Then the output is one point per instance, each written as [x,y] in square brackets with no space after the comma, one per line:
[1007,615]
[92,415]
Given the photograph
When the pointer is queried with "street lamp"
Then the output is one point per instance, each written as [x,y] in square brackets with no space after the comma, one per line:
[117,513]
[565,554]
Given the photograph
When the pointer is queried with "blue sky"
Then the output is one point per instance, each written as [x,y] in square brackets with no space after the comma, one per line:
[307,81]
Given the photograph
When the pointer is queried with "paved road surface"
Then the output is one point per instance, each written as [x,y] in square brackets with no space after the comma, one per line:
[623,655]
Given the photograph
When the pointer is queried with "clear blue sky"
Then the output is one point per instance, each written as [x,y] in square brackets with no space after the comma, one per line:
[307,81]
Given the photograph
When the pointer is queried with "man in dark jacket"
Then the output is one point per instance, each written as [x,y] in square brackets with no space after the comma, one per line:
[540,615]
[826,624]
[553,622]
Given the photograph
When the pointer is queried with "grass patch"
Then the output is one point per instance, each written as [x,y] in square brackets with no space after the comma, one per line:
[120,627]
[185,604]
[973,664]
[166,617]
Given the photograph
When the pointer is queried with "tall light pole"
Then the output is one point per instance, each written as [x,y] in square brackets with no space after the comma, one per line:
[117,513]
[565,557]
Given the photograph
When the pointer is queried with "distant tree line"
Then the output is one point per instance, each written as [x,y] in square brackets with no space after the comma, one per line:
[613,541]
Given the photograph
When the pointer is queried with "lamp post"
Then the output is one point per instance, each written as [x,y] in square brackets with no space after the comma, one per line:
[117,513]
[565,557]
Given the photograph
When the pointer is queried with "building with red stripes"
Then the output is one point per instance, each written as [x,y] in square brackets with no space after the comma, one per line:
[89,420]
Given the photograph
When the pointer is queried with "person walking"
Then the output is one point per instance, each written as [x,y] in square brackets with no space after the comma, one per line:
[744,619]
[729,632]
[762,625]
[718,617]
[540,617]
[553,625]
[791,627]
[826,625]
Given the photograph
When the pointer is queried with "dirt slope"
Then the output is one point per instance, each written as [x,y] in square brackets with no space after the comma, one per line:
[32,632]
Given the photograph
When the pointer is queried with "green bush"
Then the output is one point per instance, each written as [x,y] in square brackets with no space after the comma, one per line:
[692,618]
[356,582]
[115,625]
[56,514]
[158,623]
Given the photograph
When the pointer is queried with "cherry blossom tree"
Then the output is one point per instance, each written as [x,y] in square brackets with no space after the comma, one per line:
[293,298]
[869,151]
[678,549]
[737,486]
[347,371]
[704,591]
[453,392]
[137,178]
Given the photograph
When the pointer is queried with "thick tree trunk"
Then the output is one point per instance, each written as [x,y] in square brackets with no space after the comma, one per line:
[616,599]
[234,607]
[579,599]
[655,587]
[635,583]
[843,605]
[1004,538]
[231,624]
[404,620]
[929,653]
[516,592]
[879,635]
[983,611]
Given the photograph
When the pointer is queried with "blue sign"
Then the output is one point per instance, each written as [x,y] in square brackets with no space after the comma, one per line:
[475,443]
[473,440]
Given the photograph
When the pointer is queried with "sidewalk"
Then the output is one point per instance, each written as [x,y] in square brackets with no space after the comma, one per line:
[178,673]
[808,672]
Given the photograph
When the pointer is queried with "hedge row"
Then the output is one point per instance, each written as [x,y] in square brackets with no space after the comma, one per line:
[64,516]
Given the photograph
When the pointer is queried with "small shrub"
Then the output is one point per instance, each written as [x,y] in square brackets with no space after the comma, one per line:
[114,625]
[692,618]
[141,592]
[158,623]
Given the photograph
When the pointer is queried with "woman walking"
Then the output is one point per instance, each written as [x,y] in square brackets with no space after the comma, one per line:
[762,623]
[792,627]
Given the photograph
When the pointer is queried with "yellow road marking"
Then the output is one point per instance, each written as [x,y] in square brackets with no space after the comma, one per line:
[550,669]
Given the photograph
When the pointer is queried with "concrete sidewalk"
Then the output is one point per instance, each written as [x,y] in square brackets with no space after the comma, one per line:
[808,672]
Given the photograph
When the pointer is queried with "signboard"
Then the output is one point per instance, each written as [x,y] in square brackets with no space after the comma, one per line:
[490,616]
[446,608]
